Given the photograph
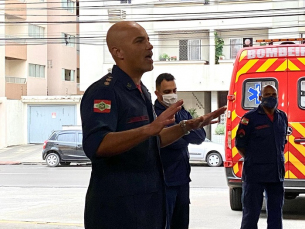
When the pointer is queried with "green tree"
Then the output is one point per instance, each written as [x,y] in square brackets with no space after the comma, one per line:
[193,112]
[219,43]
[220,129]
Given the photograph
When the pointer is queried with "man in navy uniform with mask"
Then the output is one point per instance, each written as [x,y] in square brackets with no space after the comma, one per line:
[261,139]
[175,157]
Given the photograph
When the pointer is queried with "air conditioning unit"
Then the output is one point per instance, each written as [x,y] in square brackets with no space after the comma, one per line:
[116,15]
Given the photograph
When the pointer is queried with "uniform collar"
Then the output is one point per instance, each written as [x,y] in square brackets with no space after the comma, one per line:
[260,110]
[159,105]
[124,78]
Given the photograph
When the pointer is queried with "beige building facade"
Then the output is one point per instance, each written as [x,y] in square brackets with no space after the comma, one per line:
[39,65]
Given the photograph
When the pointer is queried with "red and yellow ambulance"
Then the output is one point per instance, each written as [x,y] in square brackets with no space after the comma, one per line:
[284,67]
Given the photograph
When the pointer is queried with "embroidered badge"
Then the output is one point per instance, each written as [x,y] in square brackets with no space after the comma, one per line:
[244,121]
[138,119]
[241,133]
[261,127]
[102,106]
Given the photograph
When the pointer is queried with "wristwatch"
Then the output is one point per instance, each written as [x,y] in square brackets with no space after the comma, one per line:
[183,127]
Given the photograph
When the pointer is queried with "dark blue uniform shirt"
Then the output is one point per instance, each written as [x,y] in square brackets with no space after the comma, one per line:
[264,141]
[175,157]
[114,104]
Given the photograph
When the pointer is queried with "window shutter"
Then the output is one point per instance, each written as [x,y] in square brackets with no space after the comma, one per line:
[182,49]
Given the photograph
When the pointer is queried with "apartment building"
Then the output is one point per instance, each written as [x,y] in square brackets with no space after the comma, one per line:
[42,75]
[183,34]
[39,69]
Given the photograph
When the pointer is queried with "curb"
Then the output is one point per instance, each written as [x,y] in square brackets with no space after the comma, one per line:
[10,163]
[21,163]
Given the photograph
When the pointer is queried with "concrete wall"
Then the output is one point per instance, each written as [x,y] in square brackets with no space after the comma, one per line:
[15,90]
[3,122]
[16,68]
[2,84]
[15,117]
[37,54]
[62,56]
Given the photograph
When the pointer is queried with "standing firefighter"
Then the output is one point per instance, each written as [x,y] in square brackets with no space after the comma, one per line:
[261,139]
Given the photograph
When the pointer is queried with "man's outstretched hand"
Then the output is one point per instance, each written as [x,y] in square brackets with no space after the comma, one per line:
[205,120]
[165,118]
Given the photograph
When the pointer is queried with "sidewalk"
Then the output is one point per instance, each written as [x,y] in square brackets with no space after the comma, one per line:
[21,154]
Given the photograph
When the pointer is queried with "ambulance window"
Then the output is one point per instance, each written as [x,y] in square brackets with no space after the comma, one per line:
[302,93]
[252,91]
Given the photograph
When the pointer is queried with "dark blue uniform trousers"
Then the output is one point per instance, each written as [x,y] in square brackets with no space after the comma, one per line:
[252,200]
[177,206]
[141,211]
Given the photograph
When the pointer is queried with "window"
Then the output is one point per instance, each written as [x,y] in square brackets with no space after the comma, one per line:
[252,90]
[66,137]
[68,5]
[194,49]
[53,137]
[235,46]
[68,40]
[190,49]
[68,75]
[36,31]
[80,138]
[302,93]
[36,70]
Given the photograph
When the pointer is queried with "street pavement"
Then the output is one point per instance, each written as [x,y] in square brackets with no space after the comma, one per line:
[21,154]
[29,200]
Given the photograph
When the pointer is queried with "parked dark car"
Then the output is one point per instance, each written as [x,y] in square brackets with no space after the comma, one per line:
[64,147]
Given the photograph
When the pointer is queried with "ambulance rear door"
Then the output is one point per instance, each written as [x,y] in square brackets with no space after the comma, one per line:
[257,73]
[295,160]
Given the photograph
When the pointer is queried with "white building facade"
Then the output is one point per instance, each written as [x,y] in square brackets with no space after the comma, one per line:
[43,71]
[183,35]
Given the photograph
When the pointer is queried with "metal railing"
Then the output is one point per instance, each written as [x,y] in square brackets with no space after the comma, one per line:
[10,79]
[14,39]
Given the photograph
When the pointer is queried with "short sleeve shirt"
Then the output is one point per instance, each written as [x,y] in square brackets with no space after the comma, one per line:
[264,142]
[114,104]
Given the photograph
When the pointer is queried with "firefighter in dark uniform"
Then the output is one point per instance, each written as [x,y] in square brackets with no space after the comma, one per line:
[261,139]
[175,157]
[122,136]
[119,106]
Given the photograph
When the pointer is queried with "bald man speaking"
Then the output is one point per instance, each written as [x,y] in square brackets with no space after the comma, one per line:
[122,137]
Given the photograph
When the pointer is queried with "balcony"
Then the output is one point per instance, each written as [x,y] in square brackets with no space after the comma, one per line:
[15,87]
[196,75]
[15,48]
[16,9]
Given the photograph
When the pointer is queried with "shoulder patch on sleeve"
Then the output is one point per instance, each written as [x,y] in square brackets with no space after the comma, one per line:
[241,133]
[102,106]
[244,121]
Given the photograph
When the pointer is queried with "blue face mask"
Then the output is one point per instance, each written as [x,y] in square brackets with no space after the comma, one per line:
[269,102]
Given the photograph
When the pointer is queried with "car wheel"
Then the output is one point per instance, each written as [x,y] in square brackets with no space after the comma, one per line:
[65,163]
[52,159]
[214,159]
[235,199]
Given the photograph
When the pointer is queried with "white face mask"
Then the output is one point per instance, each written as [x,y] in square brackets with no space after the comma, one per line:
[169,99]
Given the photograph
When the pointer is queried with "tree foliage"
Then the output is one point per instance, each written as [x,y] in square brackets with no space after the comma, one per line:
[219,43]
